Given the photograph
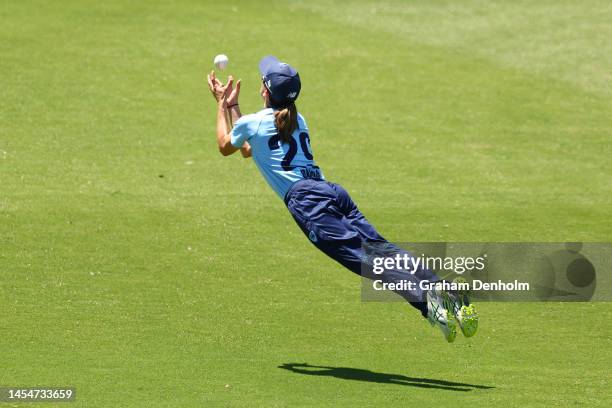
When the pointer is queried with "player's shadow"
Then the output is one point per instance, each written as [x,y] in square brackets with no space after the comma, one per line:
[347,373]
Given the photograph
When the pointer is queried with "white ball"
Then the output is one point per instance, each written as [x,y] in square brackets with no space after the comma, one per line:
[221,61]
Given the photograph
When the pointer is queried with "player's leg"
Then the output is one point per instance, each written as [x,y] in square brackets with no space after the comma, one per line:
[437,302]
[332,222]
[381,247]
[350,253]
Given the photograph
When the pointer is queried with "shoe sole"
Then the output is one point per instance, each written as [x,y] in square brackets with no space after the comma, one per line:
[468,320]
[467,317]
[452,334]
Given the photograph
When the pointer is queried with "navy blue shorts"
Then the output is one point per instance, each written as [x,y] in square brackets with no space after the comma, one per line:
[328,216]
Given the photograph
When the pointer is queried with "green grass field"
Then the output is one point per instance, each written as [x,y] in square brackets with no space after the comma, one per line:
[145,269]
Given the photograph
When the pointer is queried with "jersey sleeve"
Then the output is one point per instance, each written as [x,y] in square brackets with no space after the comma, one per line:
[244,128]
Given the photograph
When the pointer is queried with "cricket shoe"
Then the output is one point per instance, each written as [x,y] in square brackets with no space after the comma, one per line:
[463,310]
[439,315]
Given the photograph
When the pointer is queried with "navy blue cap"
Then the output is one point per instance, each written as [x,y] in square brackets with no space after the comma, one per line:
[281,80]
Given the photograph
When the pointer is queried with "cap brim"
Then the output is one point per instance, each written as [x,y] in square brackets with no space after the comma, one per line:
[267,63]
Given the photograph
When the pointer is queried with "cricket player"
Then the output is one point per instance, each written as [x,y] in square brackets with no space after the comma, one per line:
[278,140]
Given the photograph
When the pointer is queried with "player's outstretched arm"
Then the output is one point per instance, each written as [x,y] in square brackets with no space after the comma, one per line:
[233,107]
[223,137]
[220,93]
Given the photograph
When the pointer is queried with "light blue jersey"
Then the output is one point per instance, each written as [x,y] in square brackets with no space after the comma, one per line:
[281,164]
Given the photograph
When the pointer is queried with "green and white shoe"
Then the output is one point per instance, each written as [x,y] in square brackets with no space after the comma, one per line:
[468,320]
[438,315]
[463,310]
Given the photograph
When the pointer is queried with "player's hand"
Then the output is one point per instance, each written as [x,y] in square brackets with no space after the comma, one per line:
[216,87]
[232,93]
